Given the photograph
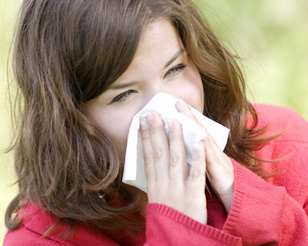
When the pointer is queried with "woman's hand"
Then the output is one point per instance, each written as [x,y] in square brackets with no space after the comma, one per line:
[220,170]
[170,180]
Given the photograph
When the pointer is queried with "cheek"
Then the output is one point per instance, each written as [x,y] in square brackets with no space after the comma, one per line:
[193,93]
[195,77]
[114,123]
[116,129]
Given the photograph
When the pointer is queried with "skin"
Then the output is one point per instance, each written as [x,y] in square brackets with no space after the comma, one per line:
[162,65]
[145,77]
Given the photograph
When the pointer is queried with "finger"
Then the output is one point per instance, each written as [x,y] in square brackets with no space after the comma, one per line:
[214,162]
[178,166]
[182,107]
[197,170]
[147,151]
[219,167]
[160,146]
[220,171]
[218,154]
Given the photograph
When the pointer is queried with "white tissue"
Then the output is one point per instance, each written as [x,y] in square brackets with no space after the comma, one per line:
[164,104]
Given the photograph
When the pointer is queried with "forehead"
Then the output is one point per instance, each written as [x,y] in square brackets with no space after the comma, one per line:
[159,43]
[159,36]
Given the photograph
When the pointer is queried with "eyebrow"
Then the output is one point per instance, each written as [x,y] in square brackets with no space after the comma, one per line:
[128,84]
[177,54]
[122,85]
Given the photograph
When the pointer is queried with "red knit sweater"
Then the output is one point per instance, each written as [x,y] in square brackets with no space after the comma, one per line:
[271,212]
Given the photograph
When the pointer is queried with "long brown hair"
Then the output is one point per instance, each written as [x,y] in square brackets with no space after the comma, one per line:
[68,52]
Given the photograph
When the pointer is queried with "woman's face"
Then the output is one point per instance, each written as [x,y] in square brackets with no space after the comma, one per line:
[160,65]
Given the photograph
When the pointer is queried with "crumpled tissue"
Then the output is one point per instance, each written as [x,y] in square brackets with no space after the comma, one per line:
[164,105]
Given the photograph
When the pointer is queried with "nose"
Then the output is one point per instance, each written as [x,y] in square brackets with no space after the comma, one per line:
[155,90]
[155,87]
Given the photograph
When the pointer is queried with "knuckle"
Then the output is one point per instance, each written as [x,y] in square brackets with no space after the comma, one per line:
[195,173]
[158,153]
[146,157]
[174,160]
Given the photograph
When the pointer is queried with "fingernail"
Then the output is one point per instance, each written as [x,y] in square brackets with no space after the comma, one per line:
[182,103]
[181,106]
[171,125]
[143,123]
[150,117]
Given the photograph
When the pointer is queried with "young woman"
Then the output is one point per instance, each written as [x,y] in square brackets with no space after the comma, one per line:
[84,69]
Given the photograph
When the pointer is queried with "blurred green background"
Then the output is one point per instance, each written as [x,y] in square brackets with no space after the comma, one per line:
[270,36]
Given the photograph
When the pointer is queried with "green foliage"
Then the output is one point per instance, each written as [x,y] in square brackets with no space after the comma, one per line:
[8,13]
[271,37]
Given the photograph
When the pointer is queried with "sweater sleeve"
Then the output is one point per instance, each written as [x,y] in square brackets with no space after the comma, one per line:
[271,212]
[261,214]
[265,214]
[275,211]
[166,226]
